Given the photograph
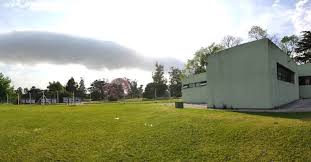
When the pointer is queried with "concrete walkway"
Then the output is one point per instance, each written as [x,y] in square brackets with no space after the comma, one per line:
[302,105]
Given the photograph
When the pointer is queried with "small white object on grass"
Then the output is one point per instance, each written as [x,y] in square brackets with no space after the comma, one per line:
[116,118]
[150,125]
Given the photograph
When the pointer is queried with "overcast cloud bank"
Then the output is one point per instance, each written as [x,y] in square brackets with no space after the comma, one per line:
[44,47]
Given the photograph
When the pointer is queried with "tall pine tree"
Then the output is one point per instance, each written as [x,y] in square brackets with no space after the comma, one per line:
[159,81]
[304,48]
[175,82]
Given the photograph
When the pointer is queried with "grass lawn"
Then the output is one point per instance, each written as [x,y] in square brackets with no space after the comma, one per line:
[150,132]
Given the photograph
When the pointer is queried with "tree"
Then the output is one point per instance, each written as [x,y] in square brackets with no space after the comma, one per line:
[159,80]
[26,90]
[55,86]
[81,92]
[149,91]
[36,93]
[158,75]
[288,45]
[124,82]
[140,91]
[134,89]
[304,48]
[19,90]
[198,63]
[175,82]
[115,92]
[231,41]
[257,33]
[5,87]
[98,89]
[71,85]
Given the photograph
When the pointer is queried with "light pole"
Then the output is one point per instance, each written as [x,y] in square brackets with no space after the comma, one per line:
[30,98]
[17,98]
[57,98]
[73,97]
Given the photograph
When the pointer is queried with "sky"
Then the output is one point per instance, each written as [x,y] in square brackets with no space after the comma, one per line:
[53,40]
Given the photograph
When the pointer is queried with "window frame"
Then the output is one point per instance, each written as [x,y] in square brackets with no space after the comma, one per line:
[285,74]
[185,86]
[302,81]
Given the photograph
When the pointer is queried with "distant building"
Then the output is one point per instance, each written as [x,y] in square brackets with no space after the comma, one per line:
[69,100]
[255,75]
[28,101]
[48,101]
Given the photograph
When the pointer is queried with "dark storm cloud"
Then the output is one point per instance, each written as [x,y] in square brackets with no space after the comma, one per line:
[44,47]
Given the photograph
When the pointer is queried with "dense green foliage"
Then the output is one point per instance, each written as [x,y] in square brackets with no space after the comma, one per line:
[71,85]
[5,88]
[98,90]
[55,86]
[198,63]
[304,48]
[158,87]
[135,91]
[150,132]
[175,82]
[288,45]
[81,90]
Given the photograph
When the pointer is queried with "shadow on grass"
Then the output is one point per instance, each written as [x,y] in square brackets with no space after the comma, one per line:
[289,115]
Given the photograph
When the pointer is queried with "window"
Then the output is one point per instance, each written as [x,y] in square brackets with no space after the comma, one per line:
[185,86]
[203,83]
[196,84]
[305,80]
[285,74]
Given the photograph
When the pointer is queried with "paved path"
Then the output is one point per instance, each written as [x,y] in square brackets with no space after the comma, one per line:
[302,105]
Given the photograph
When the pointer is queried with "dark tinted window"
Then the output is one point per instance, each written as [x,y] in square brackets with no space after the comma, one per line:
[305,80]
[185,86]
[285,74]
[203,83]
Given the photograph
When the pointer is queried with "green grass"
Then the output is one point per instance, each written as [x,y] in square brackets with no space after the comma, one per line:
[91,133]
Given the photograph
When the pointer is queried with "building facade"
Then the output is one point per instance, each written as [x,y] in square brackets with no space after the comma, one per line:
[252,75]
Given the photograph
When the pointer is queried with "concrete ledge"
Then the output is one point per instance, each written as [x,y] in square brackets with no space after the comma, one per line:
[302,105]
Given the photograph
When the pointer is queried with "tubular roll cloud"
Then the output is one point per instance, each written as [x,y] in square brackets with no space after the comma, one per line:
[44,47]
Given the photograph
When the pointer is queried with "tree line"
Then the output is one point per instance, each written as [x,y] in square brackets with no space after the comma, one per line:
[100,89]
[296,47]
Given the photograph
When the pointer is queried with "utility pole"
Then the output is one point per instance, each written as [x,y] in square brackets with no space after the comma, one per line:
[30,98]
[57,99]
[155,93]
[73,97]
[17,98]
[42,98]
[7,98]
[169,93]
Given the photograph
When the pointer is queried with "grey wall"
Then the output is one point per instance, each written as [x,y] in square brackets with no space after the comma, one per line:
[238,77]
[195,94]
[281,92]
